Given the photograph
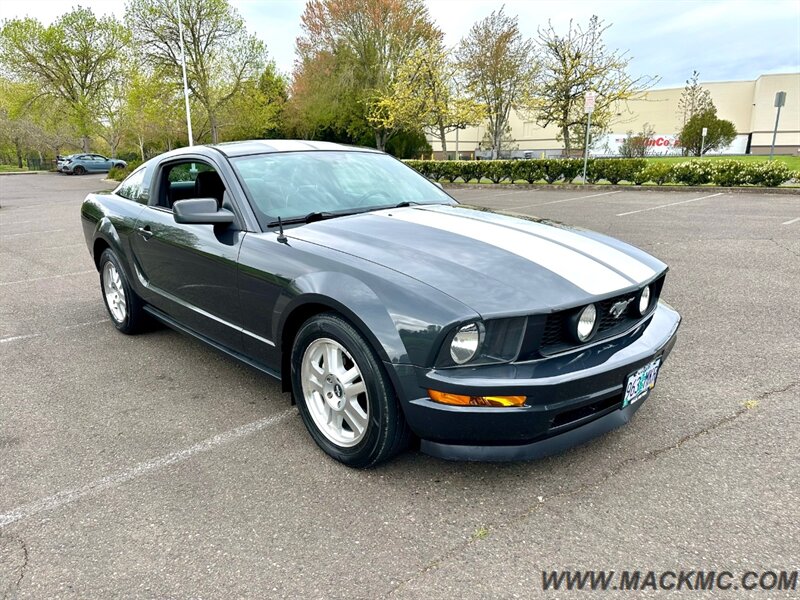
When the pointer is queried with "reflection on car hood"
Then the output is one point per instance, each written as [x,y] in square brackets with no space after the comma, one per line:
[493,263]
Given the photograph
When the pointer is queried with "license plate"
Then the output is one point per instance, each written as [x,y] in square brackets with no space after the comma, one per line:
[641,382]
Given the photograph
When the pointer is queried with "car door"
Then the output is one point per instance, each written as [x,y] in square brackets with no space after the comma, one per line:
[189,271]
[102,163]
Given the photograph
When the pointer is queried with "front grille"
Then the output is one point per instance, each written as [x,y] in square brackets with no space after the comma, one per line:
[556,334]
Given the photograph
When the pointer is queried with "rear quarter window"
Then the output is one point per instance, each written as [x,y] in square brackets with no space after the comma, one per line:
[132,188]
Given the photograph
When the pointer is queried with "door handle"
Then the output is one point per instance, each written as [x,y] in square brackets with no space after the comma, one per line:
[145,232]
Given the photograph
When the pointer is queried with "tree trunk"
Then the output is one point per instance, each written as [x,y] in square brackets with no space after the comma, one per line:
[442,137]
[497,135]
[212,121]
[85,144]
[380,140]
[18,148]
[565,135]
[141,147]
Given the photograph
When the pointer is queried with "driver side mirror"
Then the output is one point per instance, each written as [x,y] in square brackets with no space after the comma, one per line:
[201,211]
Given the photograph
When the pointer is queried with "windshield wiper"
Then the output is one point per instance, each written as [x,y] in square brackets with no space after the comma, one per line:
[309,218]
[405,203]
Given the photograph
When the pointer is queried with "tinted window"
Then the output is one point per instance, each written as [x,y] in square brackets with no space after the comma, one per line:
[132,187]
[293,184]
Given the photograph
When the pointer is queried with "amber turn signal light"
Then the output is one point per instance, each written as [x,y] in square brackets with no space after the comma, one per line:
[459,400]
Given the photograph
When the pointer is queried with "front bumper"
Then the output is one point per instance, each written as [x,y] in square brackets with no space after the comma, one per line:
[571,398]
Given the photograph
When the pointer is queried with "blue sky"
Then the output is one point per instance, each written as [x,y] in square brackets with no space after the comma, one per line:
[724,40]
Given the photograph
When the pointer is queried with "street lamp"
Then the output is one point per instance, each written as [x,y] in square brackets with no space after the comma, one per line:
[185,80]
[780,100]
[703,141]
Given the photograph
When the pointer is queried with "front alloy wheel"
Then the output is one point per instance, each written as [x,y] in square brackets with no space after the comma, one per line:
[344,395]
[334,392]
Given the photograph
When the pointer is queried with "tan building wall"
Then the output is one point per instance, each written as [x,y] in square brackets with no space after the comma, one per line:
[748,104]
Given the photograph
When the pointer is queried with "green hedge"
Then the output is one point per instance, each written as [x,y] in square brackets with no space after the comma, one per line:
[638,171]
[118,174]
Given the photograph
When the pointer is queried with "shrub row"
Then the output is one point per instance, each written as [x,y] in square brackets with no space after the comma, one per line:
[613,170]
[118,174]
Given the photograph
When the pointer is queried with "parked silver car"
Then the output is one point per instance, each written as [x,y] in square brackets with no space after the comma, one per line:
[79,164]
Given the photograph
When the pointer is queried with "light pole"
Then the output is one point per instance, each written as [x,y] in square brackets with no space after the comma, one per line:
[703,140]
[185,80]
[588,106]
[780,100]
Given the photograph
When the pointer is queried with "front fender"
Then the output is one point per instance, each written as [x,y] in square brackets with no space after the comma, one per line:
[403,323]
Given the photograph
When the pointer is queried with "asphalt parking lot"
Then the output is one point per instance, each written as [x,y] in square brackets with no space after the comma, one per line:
[152,466]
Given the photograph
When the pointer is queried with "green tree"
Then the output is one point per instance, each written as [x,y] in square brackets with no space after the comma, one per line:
[153,112]
[73,60]
[573,64]
[424,93]
[720,133]
[356,48]
[499,71]
[220,54]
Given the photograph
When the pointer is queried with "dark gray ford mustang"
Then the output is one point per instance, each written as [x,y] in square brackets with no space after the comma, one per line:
[386,308]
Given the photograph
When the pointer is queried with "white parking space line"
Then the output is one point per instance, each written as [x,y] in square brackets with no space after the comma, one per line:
[493,196]
[32,279]
[633,212]
[32,233]
[27,336]
[790,222]
[143,468]
[565,200]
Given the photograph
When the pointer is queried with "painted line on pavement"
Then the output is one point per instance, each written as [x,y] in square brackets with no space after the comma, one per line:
[31,233]
[633,212]
[32,279]
[565,200]
[27,336]
[143,468]
[791,221]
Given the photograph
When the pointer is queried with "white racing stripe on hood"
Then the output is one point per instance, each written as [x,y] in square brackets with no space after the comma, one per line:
[624,263]
[580,270]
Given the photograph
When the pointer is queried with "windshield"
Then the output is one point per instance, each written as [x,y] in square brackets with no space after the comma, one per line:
[295,184]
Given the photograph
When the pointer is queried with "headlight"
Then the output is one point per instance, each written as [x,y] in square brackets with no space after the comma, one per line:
[466,343]
[587,323]
[644,300]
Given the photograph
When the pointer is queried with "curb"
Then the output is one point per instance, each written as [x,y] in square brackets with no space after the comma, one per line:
[609,187]
[5,173]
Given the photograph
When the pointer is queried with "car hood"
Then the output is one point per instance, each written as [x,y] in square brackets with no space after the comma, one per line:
[494,263]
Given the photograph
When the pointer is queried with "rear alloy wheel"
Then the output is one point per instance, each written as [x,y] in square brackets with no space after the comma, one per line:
[79,170]
[344,396]
[123,305]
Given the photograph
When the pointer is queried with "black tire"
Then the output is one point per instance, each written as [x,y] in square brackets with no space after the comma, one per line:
[79,170]
[386,432]
[135,319]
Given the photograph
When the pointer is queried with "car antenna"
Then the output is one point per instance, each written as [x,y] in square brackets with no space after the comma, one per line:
[281,237]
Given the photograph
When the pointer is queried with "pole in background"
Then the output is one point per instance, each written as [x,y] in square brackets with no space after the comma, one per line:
[185,80]
[780,100]
[703,141]
[457,129]
[588,107]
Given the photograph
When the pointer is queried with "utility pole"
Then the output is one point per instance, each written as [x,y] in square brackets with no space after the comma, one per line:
[588,106]
[185,80]
[780,100]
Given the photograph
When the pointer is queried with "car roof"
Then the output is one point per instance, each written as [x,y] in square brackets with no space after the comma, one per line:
[243,148]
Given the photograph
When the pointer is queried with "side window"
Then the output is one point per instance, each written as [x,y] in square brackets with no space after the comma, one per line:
[132,187]
[189,179]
